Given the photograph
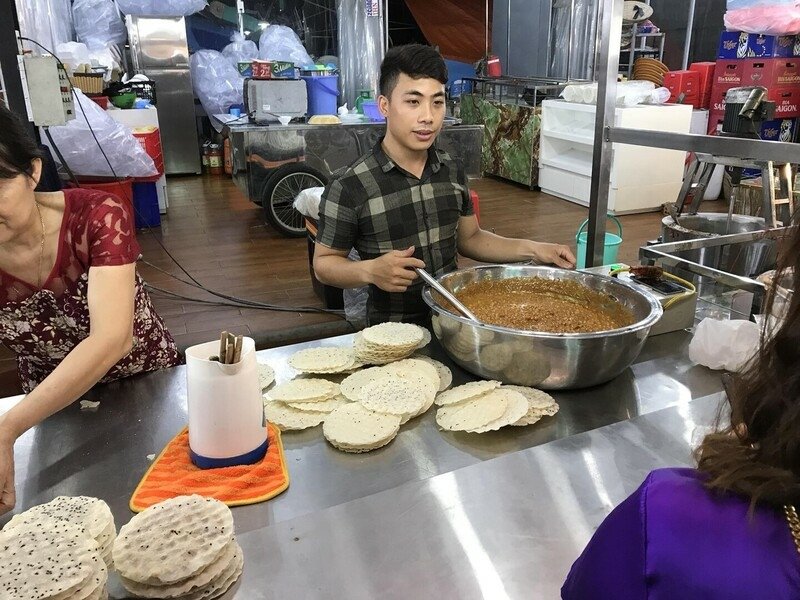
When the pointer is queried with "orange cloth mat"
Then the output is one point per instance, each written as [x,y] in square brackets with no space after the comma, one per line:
[173,474]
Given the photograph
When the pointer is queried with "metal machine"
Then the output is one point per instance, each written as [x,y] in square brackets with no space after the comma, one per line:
[267,99]
[159,49]
[48,97]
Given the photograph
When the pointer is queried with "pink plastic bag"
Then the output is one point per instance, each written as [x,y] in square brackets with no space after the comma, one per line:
[769,19]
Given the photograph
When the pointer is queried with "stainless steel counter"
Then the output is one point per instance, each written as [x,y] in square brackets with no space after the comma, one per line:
[401,509]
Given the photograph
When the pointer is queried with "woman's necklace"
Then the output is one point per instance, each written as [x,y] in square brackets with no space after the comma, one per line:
[41,250]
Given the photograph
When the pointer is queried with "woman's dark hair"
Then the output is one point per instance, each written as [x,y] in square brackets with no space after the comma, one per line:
[758,454]
[416,61]
[17,148]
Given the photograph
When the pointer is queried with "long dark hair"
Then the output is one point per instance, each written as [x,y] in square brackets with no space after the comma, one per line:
[758,454]
[17,148]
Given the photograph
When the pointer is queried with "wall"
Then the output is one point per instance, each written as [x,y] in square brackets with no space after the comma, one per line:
[530,23]
[671,16]
[528,36]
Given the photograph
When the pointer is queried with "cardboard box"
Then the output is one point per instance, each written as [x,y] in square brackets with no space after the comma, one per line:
[735,44]
[787,101]
[282,70]
[780,130]
[717,101]
[728,73]
[686,82]
[705,71]
[775,130]
[771,72]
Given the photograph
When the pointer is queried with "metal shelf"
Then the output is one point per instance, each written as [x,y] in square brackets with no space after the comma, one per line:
[606,134]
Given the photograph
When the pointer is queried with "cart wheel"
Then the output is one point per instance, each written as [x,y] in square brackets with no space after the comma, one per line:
[279,192]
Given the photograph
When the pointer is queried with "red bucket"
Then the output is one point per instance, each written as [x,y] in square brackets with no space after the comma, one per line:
[121,188]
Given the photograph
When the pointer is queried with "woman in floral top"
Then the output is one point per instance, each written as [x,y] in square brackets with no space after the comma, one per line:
[72,308]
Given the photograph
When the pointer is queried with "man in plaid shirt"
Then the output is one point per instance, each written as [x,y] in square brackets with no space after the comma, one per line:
[406,204]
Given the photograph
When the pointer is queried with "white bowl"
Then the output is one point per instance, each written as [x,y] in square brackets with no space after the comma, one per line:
[284,120]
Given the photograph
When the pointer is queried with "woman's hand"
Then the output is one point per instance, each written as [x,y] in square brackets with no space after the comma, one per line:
[7,490]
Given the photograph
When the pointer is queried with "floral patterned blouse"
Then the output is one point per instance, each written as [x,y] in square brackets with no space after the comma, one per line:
[42,326]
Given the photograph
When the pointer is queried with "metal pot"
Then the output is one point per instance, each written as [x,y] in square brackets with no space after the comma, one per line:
[545,360]
[748,260]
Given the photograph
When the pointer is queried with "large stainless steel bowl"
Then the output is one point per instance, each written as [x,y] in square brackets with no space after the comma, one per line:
[545,360]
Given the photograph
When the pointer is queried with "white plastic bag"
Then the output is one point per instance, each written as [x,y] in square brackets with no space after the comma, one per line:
[771,19]
[307,202]
[216,81]
[240,50]
[279,42]
[98,24]
[629,93]
[81,152]
[727,345]
[161,8]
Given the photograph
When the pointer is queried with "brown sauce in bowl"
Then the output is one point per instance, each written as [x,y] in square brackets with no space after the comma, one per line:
[537,304]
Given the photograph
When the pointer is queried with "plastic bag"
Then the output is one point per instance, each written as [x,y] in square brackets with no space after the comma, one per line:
[767,20]
[49,22]
[355,300]
[240,50]
[629,93]
[82,154]
[279,42]
[307,202]
[98,24]
[727,345]
[216,81]
[161,8]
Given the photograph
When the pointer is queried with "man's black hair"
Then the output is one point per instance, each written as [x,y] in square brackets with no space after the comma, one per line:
[416,61]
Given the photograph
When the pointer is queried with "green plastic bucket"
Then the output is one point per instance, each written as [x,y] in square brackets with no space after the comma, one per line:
[610,248]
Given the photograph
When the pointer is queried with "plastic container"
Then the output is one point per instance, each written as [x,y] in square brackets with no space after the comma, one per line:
[226,410]
[363,96]
[150,141]
[372,112]
[123,101]
[323,94]
[145,203]
[215,159]
[610,248]
[101,101]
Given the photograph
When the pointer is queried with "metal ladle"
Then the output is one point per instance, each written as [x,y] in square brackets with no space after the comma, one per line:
[447,295]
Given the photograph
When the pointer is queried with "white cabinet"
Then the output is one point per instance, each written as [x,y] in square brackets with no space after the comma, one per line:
[642,179]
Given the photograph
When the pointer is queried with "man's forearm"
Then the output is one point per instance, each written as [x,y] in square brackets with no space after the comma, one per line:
[485,246]
[342,272]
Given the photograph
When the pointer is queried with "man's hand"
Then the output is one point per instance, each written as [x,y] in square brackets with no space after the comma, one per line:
[394,271]
[553,254]
[7,490]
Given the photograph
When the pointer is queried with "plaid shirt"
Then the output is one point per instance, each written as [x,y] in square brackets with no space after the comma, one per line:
[376,207]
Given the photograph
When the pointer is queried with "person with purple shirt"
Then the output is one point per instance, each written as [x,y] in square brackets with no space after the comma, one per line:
[727,529]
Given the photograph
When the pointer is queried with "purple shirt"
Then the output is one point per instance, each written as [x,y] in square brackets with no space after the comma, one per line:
[674,539]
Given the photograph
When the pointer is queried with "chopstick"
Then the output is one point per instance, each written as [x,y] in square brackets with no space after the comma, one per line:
[230,348]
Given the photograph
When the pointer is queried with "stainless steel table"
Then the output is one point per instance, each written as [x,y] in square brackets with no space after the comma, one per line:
[409,491]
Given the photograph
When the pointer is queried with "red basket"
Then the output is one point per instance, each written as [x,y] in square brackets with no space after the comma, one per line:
[151,143]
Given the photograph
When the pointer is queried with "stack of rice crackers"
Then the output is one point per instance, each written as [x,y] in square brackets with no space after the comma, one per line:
[181,548]
[482,406]
[58,550]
